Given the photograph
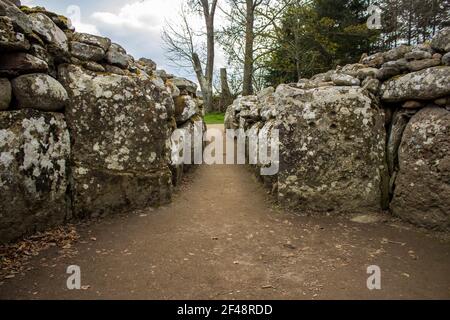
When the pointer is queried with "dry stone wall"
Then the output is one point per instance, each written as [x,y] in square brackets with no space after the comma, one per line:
[365,137]
[84,127]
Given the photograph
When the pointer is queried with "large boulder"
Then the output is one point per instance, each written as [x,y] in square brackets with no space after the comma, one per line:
[39,91]
[332,151]
[120,134]
[5,93]
[441,42]
[34,154]
[14,64]
[428,84]
[422,187]
[20,20]
[11,40]
[56,39]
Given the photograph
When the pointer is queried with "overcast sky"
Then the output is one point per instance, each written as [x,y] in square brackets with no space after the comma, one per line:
[134,24]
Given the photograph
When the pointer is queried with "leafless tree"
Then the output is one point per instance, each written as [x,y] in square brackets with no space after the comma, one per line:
[184,48]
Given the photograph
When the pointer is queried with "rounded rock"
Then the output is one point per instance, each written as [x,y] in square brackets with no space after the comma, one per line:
[39,91]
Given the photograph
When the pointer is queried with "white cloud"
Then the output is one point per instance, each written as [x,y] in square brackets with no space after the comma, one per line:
[28,3]
[147,15]
[73,12]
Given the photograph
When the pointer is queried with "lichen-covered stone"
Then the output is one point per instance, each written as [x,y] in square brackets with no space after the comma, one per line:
[418,55]
[441,42]
[428,84]
[117,56]
[34,155]
[374,61]
[120,134]
[20,19]
[101,42]
[173,89]
[148,65]
[17,63]
[185,84]
[185,108]
[5,93]
[9,39]
[422,187]
[85,51]
[332,151]
[396,53]
[39,91]
[371,85]
[48,30]
[417,65]
[387,72]
[341,79]
[94,66]
[446,59]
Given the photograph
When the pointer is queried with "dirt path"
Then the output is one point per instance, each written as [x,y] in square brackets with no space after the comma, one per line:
[223,239]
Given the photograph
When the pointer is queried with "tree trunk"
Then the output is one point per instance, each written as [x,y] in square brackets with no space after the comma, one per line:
[208,13]
[248,55]
[205,86]
[226,97]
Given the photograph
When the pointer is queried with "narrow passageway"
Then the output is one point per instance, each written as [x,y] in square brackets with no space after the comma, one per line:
[223,238]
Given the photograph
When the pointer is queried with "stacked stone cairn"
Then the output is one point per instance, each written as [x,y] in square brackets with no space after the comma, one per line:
[84,127]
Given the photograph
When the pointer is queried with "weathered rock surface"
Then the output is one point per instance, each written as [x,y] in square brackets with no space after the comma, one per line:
[20,19]
[101,42]
[441,42]
[332,156]
[344,80]
[185,108]
[5,94]
[374,61]
[399,121]
[120,141]
[422,187]
[184,84]
[397,53]
[148,65]
[446,59]
[418,55]
[34,154]
[50,32]
[39,91]
[85,51]
[417,65]
[426,84]
[14,64]
[116,55]
[9,39]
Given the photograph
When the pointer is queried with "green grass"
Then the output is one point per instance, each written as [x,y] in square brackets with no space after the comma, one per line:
[214,118]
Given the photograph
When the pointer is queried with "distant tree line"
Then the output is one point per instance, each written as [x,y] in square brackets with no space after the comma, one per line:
[268,42]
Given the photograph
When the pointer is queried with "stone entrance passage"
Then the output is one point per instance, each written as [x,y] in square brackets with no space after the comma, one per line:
[223,238]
